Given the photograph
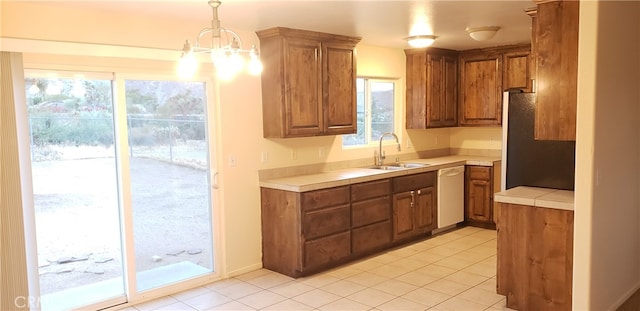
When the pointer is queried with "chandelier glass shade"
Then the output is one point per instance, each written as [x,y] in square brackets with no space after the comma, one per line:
[225,49]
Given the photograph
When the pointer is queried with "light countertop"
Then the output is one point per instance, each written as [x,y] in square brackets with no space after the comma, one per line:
[540,197]
[348,176]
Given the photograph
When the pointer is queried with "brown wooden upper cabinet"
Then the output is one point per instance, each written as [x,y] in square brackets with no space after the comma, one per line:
[556,44]
[432,78]
[484,75]
[480,88]
[308,83]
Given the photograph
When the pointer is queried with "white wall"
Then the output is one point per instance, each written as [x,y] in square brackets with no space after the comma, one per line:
[607,214]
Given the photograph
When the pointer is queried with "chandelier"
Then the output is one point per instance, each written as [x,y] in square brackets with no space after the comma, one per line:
[225,50]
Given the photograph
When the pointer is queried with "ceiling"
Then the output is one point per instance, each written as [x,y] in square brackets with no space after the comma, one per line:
[379,23]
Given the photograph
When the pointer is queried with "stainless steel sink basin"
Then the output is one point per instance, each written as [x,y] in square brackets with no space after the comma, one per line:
[398,166]
[388,167]
[412,165]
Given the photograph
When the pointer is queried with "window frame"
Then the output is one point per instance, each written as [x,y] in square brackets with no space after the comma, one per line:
[368,116]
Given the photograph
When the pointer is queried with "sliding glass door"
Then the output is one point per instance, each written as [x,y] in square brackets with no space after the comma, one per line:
[75,191]
[118,204]
[168,154]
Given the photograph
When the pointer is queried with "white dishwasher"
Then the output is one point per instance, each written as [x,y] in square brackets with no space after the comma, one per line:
[450,196]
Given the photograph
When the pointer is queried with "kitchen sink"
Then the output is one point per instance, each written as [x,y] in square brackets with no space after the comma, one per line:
[398,166]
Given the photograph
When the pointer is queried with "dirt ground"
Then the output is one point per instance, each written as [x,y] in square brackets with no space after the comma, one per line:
[78,218]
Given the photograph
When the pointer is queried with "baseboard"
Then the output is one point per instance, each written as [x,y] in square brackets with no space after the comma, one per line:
[243,270]
[629,301]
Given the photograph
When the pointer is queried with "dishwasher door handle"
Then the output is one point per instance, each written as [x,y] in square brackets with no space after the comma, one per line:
[451,171]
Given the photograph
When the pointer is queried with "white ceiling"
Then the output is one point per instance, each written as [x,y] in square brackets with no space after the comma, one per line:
[380,23]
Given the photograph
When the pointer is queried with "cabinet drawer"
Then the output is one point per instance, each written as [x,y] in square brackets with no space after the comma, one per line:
[413,182]
[371,237]
[370,190]
[370,211]
[479,172]
[324,198]
[327,250]
[326,221]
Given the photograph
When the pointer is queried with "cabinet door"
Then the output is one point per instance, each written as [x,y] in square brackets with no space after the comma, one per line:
[402,215]
[517,71]
[442,79]
[450,96]
[480,90]
[416,114]
[432,89]
[339,89]
[479,194]
[425,209]
[303,95]
[557,70]
[327,250]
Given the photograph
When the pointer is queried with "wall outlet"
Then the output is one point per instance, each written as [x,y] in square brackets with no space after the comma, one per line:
[321,152]
[264,156]
[294,155]
[409,146]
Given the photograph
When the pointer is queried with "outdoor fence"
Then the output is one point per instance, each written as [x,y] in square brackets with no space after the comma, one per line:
[181,139]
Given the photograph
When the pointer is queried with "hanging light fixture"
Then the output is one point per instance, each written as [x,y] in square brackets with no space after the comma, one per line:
[225,50]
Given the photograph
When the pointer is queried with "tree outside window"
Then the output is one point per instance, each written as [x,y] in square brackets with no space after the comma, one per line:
[375,111]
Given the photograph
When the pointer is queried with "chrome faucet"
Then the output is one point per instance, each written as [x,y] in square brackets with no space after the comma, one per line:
[381,156]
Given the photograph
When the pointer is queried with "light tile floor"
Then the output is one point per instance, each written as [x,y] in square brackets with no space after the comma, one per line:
[451,271]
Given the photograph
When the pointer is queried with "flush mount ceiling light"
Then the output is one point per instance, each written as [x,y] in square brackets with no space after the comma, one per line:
[420,41]
[226,51]
[483,33]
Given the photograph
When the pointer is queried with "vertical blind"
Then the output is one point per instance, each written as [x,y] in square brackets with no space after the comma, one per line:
[14,286]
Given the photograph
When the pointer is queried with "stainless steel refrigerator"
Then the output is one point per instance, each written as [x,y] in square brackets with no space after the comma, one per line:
[530,162]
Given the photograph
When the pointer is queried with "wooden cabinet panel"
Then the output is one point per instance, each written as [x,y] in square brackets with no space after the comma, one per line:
[479,200]
[432,81]
[326,221]
[403,215]
[414,205]
[479,195]
[327,250]
[426,210]
[324,198]
[303,108]
[449,114]
[480,89]
[535,257]
[372,189]
[371,237]
[281,230]
[308,83]
[370,211]
[339,89]
[416,93]
[413,182]
[557,69]
[517,71]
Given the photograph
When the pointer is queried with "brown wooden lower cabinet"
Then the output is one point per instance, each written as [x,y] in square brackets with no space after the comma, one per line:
[307,232]
[535,256]
[481,182]
[414,205]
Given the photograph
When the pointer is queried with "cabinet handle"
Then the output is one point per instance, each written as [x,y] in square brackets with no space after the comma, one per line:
[418,192]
